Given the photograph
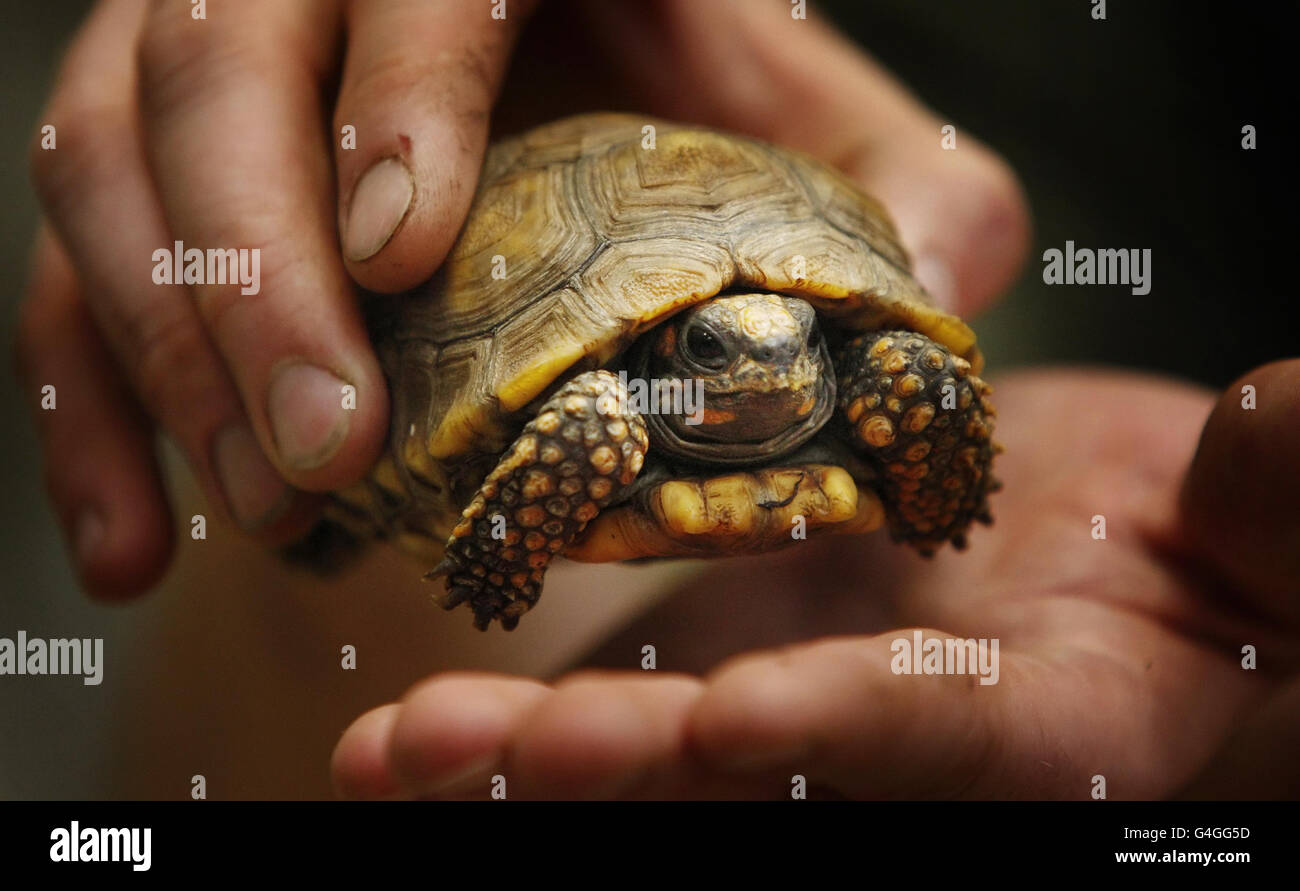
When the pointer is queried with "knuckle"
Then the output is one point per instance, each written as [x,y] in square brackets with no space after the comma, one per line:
[178,58]
[84,131]
[165,346]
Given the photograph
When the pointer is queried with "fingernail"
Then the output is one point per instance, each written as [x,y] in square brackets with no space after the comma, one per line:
[254,490]
[88,536]
[379,203]
[936,277]
[308,419]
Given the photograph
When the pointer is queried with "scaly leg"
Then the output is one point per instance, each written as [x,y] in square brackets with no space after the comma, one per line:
[583,448]
[924,421]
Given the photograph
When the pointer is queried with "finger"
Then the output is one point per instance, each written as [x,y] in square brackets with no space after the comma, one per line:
[450,737]
[835,712]
[961,212]
[418,86]
[604,736]
[97,192]
[96,444]
[231,108]
[596,735]
[1239,497]
[359,767]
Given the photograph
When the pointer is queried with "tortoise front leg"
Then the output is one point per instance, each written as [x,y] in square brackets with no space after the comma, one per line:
[583,448]
[924,421]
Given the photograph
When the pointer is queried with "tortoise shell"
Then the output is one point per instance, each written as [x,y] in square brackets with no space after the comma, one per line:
[585,233]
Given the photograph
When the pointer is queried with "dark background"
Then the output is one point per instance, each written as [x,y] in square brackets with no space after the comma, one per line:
[1126,134]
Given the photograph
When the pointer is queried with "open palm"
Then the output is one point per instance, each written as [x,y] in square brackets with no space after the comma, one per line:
[1119,657]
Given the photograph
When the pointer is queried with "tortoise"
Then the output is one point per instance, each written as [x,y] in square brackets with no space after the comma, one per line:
[652,339]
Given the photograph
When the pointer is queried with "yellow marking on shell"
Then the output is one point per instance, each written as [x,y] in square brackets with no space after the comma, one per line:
[717,416]
[766,320]
[529,383]
[385,474]
[358,495]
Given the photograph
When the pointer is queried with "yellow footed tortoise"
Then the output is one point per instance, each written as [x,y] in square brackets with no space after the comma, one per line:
[653,339]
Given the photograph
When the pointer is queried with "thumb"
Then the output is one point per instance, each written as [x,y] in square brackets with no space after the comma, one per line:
[1239,499]
[412,116]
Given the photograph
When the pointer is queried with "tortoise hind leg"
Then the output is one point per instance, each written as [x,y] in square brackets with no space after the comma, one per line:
[583,449]
[924,421]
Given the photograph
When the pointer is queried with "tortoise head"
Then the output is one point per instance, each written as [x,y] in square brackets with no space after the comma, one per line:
[759,367]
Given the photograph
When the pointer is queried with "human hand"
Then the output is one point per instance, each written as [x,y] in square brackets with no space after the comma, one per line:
[217,133]
[1119,657]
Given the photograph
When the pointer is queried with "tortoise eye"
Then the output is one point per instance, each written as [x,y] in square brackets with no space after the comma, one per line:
[814,337]
[703,347]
